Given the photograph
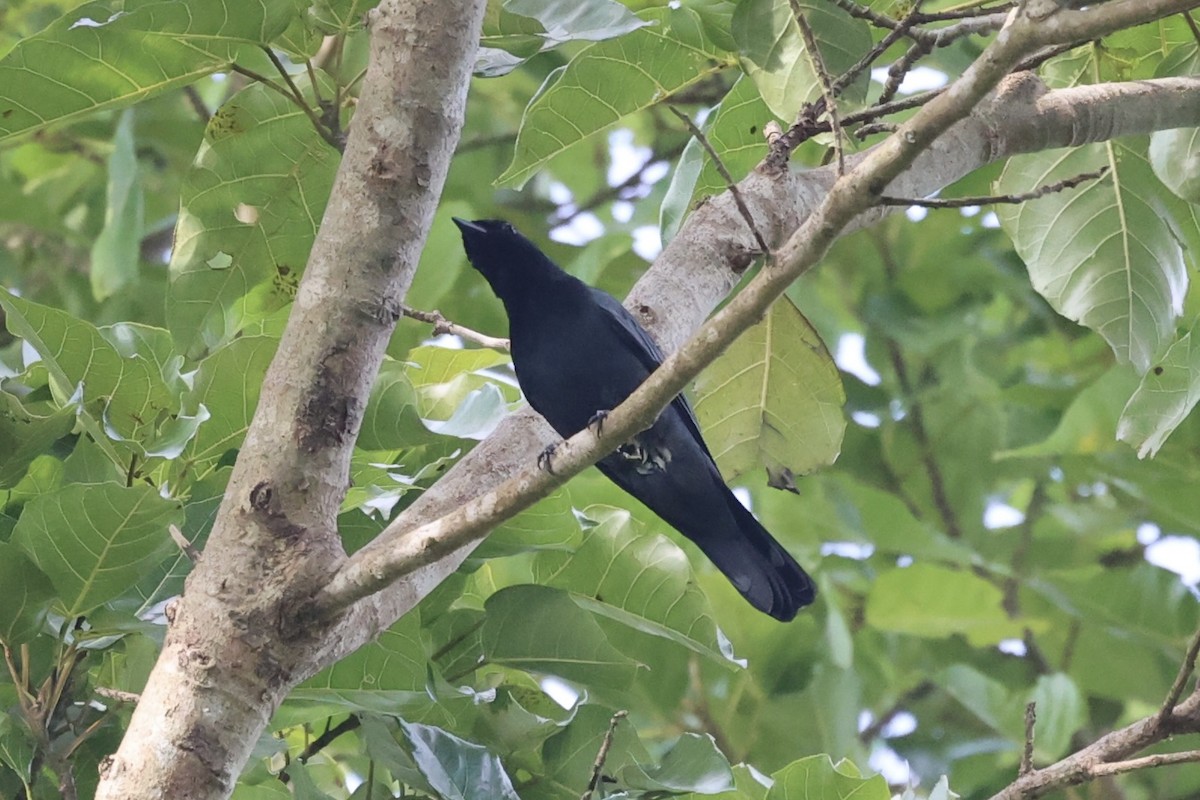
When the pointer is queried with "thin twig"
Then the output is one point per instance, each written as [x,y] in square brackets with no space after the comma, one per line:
[899,70]
[968,202]
[118,695]
[826,82]
[1027,754]
[187,547]
[1181,678]
[321,742]
[602,755]
[1191,23]
[442,325]
[197,103]
[730,184]
[302,104]
[1145,762]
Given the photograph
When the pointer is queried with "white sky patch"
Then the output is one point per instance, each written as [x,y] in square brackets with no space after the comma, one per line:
[622,211]
[990,220]
[560,691]
[625,158]
[866,419]
[916,213]
[1014,647]
[559,193]
[1179,554]
[854,550]
[902,724]
[743,496]
[1001,515]
[892,767]
[647,242]
[851,356]
[1148,533]
[582,229]
[920,79]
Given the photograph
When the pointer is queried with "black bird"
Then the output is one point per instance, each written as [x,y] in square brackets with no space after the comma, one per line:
[578,353]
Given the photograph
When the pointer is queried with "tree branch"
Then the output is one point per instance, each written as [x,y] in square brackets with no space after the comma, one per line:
[430,531]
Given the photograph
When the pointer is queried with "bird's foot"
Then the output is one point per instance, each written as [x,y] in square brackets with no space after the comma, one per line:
[596,423]
[543,459]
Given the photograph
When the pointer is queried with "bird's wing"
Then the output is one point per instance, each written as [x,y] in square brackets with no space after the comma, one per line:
[638,340]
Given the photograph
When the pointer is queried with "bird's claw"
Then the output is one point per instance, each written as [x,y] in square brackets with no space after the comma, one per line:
[596,423]
[543,459]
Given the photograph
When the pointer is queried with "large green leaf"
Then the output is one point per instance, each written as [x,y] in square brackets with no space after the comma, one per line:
[93,58]
[540,629]
[638,579]
[586,20]
[932,601]
[735,131]
[818,778]
[24,436]
[776,59]
[608,80]
[1105,254]
[387,675]
[773,399]
[250,208]
[95,541]
[228,384]
[1164,398]
[116,251]
[455,768]
[128,393]
[27,596]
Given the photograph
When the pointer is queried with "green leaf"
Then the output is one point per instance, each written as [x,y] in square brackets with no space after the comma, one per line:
[983,696]
[228,384]
[818,778]
[1061,711]
[773,399]
[933,602]
[95,541]
[638,579]
[692,764]
[734,129]
[570,754]
[549,524]
[444,377]
[116,251]
[388,675]
[92,58]
[608,80]
[27,594]
[775,58]
[570,20]
[541,629]
[1164,398]
[455,768]
[128,393]
[339,17]
[250,208]
[391,420]
[1105,254]
[24,436]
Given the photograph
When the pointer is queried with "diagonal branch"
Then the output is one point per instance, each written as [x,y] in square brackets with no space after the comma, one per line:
[404,547]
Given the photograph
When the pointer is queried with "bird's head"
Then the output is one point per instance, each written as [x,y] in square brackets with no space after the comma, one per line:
[502,254]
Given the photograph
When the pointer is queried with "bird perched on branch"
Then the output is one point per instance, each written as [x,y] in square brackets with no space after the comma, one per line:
[578,353]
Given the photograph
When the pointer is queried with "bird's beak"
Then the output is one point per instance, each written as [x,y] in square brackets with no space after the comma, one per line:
[466,226]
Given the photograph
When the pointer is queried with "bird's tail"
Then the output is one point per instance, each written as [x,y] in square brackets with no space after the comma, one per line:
[759,567]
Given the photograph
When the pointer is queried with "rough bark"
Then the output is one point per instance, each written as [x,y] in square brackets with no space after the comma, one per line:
[226,665]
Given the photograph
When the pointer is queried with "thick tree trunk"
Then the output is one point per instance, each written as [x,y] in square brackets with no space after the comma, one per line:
[226,665]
